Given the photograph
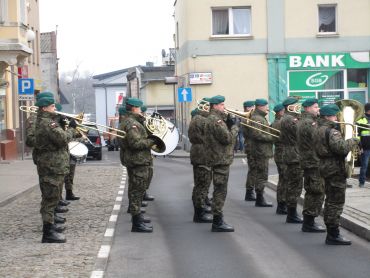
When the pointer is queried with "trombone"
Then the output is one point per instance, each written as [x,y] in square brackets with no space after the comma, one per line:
[79,119]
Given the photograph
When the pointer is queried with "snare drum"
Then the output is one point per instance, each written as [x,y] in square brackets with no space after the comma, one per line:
[78,151]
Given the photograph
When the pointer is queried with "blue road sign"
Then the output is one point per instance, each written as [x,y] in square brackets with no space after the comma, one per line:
[184,94]
[25,86]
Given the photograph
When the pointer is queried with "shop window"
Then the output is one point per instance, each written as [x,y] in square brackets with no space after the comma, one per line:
[357,78]
[231,21]
[327,19]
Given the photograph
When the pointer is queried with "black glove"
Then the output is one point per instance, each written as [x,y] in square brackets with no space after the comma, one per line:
[63,122]
[72,123]
[230,122]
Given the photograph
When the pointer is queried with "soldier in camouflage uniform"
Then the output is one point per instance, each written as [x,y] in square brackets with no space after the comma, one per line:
[281,167]
[294,174]
[261,150]
[198,158]
[220,137]
[138,160]
[249,184]
[313,183]
[332,150]
[51,143]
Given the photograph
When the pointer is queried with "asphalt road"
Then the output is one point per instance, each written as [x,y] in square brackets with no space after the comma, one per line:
[263,245]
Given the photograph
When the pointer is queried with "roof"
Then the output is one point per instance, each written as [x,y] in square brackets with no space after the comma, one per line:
[109,74]
[162,68]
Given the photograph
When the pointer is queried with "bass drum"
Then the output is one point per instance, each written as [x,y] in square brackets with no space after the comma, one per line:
[171,139]
[78,151]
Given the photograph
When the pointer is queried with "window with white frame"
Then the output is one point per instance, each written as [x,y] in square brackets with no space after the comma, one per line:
[3,11]
[327,19]
[231,21]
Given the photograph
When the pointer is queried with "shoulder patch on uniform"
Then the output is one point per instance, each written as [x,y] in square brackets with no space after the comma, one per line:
[313,123]
[134,126]
[295,119]
[53,124]
[336,132]
[219,121]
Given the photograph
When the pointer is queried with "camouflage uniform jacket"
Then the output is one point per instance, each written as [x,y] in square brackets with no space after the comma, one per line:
[261,142]
[30,135]
[279,149]
[306,134]
[332,149]
[219,139]
[288,136]
[198,154]
[136,144]
[120,140]
[247,136]
[51,146]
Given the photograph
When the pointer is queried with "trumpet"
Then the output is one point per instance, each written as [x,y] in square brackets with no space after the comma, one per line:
[79,118]
[295,108]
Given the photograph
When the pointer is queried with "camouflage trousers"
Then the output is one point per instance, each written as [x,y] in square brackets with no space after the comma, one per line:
[251,175]
[50,194]
[202,182]
[138,180]
[150,177]
[262,172]
[314,196]
[294,182]
[281,186]
[68,180]
[335,191]
[220,179]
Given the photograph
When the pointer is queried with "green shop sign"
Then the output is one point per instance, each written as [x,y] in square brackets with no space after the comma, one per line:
[310,80]
[329,60]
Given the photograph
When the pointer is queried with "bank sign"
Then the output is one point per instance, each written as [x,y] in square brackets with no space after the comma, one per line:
[329,61]
[310,80]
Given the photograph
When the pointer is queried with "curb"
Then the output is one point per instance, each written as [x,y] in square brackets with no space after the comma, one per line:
[346,221]
[16,195]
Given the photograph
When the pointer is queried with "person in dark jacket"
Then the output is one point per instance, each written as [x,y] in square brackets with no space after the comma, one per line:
[364,134]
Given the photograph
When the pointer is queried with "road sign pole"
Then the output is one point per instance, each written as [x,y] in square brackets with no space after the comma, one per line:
[22,130]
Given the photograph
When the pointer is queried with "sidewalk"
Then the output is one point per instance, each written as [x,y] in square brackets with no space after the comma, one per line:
[356,213]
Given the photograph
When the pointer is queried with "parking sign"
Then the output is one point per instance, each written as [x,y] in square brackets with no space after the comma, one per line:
[25,86]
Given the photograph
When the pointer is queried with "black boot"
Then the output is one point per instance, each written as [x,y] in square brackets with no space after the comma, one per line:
[70,196]
[249,195]
[261,202]
[218,225]
[200,216]
[144,204]
[58,228]
[63,203]
[309,225]
[207,209]
[281,208]
[333,237]
[51,236]
[60,209]
[58,219]
[293,216]
[139,226]
[148,197]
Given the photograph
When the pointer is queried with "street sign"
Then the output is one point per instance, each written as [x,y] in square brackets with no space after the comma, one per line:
[25,86]
[25,98]
[184,94]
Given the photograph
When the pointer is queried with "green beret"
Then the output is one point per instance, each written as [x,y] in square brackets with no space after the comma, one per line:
[207,99]
[261,102]
[217,99]
[144,108]
[44,94]
[329,110]
[134,102]
[122,110]
[289,101]
[248,103]
[278,107]
[45,99]
[309,102]
[58,107]
[194,112]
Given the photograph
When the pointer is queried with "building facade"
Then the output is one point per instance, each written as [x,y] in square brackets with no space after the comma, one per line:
[49,62]
[19,58]
[248,49]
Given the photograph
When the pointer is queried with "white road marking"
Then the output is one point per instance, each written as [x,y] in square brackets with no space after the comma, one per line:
[104,251]
[109,232]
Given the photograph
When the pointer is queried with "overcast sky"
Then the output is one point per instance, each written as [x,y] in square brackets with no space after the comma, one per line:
[107,35]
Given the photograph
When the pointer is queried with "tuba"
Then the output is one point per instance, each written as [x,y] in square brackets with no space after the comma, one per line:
[350,112]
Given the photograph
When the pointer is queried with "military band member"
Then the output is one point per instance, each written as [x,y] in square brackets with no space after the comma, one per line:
[138,160]
[281,167]
[313,183]
[332,150]
[261,150]
[51,143]
[220,139]
[294,174]
[201,172]
[251,175]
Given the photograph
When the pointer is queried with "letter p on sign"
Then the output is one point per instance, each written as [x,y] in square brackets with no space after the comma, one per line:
[25,86]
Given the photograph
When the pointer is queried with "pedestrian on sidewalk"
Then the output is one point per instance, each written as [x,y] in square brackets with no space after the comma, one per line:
[365,144]
[332,150]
